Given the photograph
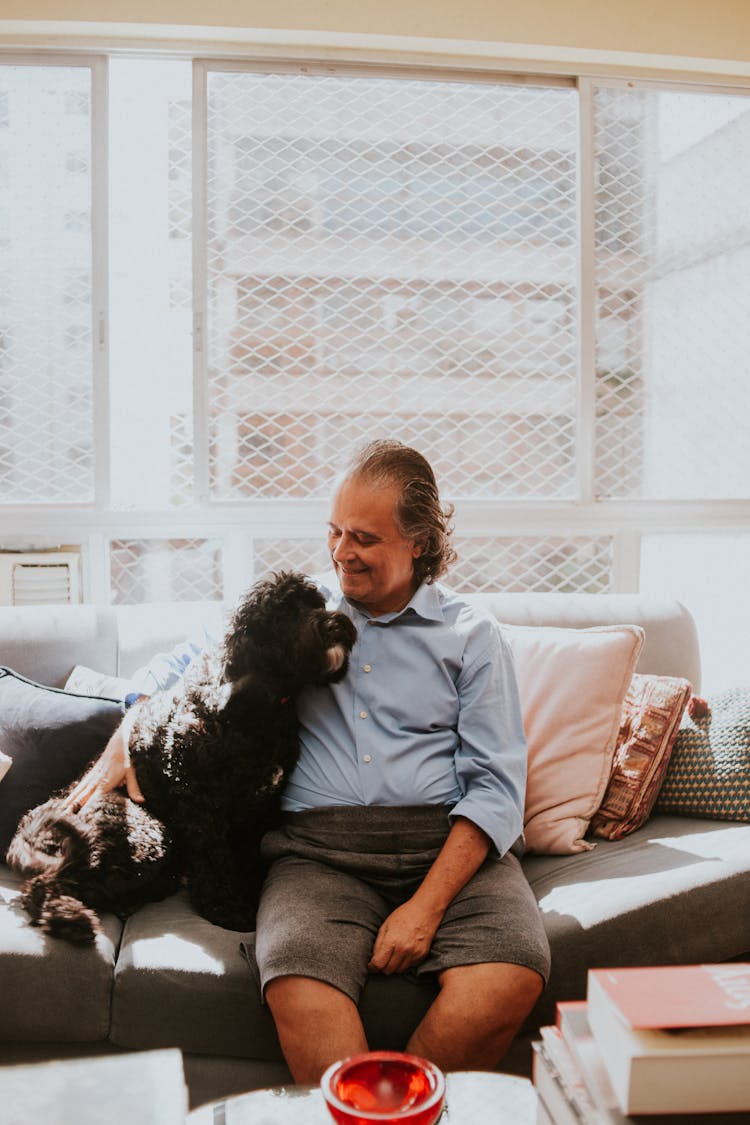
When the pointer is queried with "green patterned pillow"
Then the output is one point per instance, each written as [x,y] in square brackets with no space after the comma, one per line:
[709,771]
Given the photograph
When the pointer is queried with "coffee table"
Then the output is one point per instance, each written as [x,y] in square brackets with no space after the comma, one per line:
[471,1097]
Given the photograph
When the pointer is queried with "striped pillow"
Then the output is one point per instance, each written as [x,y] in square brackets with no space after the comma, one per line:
[651,714]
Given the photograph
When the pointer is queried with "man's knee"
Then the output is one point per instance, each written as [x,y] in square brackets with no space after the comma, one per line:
[316,1024]
[300,1005]
[292,993]
[500,992]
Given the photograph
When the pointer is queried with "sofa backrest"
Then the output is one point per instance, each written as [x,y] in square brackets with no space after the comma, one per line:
[46,642]
[671,646]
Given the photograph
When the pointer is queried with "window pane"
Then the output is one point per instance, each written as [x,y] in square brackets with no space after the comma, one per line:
[151,364]
[673,275]
[171,570]
[308,555]
[532,563]
[391,257]
[46,409]
[708,573]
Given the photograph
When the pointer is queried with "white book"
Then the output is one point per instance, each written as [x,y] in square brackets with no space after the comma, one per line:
[551,1090]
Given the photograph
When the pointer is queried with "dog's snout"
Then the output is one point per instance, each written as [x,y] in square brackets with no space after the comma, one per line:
[340,629]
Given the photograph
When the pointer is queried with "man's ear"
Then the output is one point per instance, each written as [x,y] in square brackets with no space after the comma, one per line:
[417,549]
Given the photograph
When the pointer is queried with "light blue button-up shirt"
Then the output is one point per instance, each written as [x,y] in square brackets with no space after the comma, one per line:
[428,713]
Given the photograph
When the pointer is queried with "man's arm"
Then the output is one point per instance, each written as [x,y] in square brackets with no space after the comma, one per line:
[405,937]
[112,768]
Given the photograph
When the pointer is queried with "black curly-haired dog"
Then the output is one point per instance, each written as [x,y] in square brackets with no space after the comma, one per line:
[211,760]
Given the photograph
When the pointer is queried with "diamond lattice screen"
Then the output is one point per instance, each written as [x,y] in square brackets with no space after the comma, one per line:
[484,563]
[390,258]
[46,409]
[171,570]
[673,280]
[532,563]
[307,555]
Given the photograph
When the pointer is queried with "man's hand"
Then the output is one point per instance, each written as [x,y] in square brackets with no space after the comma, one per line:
[111,770]
[404,939]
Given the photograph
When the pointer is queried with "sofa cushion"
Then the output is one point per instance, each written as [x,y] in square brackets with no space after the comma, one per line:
[709,771]
[571,683]
[51,736]
[181,981]
[651,716]
[675,891]
[51,990]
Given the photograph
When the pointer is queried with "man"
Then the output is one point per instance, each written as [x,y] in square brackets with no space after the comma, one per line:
[403,817]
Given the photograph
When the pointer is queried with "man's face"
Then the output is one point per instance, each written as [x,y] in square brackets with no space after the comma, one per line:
[374,564]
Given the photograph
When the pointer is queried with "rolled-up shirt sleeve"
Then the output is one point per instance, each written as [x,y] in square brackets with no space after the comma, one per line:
[491,758]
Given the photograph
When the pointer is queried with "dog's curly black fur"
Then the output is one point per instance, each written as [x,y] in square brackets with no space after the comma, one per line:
[211,760]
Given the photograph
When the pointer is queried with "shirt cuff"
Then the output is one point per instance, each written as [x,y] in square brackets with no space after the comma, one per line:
[503,829]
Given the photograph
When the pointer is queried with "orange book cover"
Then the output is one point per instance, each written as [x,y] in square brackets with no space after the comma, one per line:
[673,996]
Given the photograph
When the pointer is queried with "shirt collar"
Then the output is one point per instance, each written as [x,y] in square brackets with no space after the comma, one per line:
[425,602]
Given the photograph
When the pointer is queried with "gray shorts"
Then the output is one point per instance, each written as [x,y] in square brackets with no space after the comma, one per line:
[337,873]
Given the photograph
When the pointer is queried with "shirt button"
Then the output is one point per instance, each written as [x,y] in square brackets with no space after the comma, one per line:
[363,714]
[368,668]
[367,758]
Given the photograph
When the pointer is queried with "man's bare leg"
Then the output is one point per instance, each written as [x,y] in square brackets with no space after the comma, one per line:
[476,1015]
[316,1024]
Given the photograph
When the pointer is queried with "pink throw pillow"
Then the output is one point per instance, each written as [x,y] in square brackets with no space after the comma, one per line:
[572,683]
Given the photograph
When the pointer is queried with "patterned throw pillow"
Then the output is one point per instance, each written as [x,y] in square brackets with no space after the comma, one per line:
[651,714]
[709,774]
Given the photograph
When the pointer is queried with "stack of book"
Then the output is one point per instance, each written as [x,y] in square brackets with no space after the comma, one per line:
[648,1042]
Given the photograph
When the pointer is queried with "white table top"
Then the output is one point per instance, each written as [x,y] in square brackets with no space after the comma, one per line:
[471,1096]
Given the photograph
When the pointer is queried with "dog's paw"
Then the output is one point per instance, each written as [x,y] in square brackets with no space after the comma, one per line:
[67,918]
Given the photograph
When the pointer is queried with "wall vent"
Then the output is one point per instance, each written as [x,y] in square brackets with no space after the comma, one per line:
[40,577]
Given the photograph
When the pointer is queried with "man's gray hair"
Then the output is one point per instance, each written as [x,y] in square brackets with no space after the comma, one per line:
[420,515]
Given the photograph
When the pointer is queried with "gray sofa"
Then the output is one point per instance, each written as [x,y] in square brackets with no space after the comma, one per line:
[677,890]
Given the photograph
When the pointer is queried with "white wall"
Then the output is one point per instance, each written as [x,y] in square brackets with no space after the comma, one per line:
[683,29]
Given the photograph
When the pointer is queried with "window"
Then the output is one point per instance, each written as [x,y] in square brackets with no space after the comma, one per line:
[45,266]
[673,281]
[376,218]
[542,284]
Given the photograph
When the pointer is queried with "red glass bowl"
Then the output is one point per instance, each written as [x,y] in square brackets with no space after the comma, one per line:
[385,1087]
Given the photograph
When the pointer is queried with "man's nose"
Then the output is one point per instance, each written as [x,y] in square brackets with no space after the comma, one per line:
[344,548]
